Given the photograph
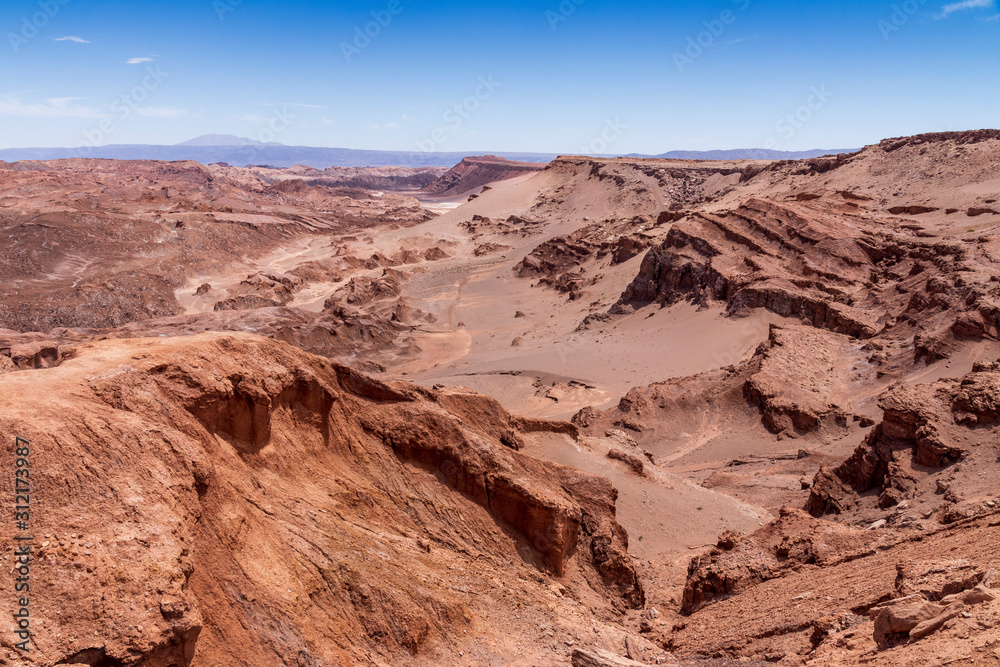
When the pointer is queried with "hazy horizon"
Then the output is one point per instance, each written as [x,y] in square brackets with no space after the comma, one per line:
[238,141]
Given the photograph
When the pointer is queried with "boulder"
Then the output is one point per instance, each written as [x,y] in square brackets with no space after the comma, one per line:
[597,657]
[631,460]
[898,619]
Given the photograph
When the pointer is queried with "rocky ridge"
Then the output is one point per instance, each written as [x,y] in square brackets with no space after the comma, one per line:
[268,483]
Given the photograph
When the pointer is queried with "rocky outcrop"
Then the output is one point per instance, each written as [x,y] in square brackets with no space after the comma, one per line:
[739,562]
[485,249]
[781,257]
[261,290]
[363,290]
[937,579]
[269,502]
[912,210]
[435,254]
[552,520]
[634,462]
[913,617]
[793,377]
[476,172]
[512,226]
[975,212]
[961,138]
[812,261]
[598,657]
[379,178]
[559,262]
[824,612]
[925,428]
[36,354]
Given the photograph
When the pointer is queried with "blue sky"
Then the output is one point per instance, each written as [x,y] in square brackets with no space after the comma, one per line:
[562,76]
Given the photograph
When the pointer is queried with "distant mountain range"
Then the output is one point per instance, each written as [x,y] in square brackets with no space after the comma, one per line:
[225,140]
[241,152]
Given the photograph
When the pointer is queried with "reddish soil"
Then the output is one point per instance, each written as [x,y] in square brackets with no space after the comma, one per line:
[606,412]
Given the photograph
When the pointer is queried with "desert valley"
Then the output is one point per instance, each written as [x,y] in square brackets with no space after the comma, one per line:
[600,412]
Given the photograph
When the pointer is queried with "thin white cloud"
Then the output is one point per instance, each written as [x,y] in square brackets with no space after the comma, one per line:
[948,10]
[161,112]
[56,107]
[329,121]
[72,38]
[989,19]
[138,61]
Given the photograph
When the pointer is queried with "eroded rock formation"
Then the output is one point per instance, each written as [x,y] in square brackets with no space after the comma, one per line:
[201,492]
[931,437]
